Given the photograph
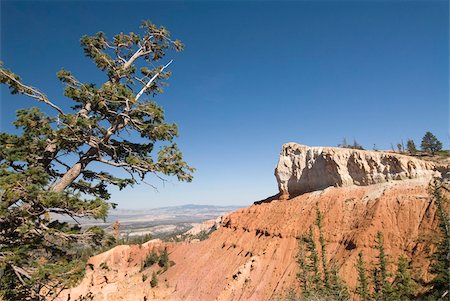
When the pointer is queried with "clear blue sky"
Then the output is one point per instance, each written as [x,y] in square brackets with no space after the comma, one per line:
[253,76]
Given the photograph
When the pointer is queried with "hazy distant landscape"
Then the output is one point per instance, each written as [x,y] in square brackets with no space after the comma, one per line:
[157,221]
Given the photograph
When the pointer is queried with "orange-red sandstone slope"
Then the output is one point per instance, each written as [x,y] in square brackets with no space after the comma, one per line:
[252,256]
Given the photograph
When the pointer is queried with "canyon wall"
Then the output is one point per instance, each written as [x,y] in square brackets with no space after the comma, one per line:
[253,254]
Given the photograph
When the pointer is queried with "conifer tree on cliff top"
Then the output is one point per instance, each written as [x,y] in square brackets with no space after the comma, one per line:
[48,168]
[430,143]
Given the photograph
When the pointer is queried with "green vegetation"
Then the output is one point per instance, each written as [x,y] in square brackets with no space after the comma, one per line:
[326,275]
[162,259]
[355,144]
[104,266]
[51,165]
[440,285]
[411,147]
[430,144]
[381,285]
[404,286]
[363,286]
[154,280]
[134,240]
[317,281]
[443,153]
[151,259]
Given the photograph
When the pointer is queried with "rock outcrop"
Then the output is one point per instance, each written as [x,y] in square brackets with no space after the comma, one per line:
[303,169]
[252,256]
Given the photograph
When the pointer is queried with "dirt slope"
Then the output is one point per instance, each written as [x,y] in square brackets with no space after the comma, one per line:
[252,256]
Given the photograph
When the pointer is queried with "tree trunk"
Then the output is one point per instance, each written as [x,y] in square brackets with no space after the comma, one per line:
[89,156]
[68,177]
[74,171]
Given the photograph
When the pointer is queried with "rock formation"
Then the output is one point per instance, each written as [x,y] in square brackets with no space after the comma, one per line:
[252,256]
[303,169]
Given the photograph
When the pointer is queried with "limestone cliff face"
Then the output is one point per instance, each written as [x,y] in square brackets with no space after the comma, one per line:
[303,169]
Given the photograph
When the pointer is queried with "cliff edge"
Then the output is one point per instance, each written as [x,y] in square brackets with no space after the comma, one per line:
[303,169]
[252,256]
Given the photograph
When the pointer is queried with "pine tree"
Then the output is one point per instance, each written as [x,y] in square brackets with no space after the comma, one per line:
[440,266]
[383,289]
[430,143]
[403,285]
[314,259]
[411,146]
[154,280]
[323,250]
[313,285]
[164,259]
[338,290]
[363,286]
[303,275]
[377,285]
[344,143]
[52,165]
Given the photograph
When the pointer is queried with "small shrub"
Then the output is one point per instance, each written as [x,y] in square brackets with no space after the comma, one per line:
[151,259]
[164,260]
[154,281]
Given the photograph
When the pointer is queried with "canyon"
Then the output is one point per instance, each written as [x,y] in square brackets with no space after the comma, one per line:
[253,253]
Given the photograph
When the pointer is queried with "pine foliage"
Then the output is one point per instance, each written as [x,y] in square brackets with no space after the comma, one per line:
[403,286]
[430,143]
[440,266]
[317,280]
[382,284]
[363,286]
[52,166]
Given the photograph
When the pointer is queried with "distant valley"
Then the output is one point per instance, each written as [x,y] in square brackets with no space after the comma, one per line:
[158,222]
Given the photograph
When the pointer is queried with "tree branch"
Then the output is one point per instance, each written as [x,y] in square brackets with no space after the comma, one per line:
[35,93]
[134,57]
[152,80]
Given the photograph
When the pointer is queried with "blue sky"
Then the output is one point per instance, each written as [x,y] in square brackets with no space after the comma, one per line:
[253,76]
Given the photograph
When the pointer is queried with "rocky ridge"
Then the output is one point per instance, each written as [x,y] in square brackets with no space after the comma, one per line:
[303,169]
[252,256]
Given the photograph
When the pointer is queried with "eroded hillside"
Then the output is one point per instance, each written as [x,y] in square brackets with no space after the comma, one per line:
[252,256]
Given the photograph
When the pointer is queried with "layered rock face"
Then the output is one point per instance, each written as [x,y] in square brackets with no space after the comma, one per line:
[303,169]
[252,256]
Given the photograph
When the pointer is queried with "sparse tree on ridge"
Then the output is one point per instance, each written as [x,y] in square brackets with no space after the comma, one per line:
[430,143]
[411,147]
[48,168]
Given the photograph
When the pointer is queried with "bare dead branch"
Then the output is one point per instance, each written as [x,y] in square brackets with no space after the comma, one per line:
[152,80]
